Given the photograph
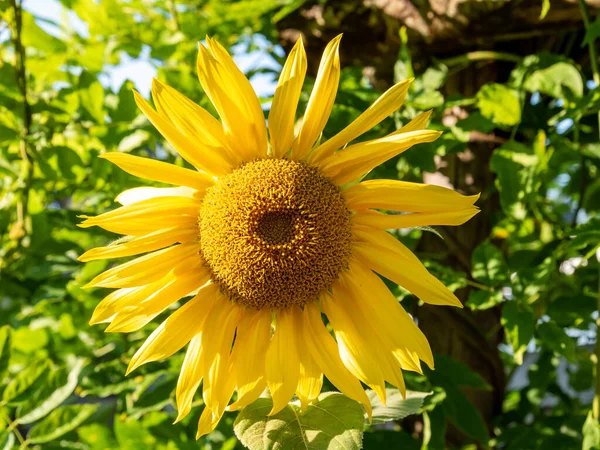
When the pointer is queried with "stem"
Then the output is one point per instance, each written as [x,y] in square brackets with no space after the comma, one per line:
[592,49]
[21,228]
[481,56]
[596,402]
[174,15]
[12,426]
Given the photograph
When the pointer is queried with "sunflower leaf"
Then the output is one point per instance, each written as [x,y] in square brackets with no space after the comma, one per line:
[333,422]
[397,407]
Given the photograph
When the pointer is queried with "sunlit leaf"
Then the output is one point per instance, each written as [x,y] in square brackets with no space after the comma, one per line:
[333,422]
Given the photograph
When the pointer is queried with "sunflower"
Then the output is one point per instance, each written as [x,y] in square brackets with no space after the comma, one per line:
[268,234]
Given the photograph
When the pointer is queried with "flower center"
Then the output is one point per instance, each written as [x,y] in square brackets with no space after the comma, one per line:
[276,227]
[274,233]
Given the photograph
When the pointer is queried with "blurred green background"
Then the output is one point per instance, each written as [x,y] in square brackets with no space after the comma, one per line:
[513,85]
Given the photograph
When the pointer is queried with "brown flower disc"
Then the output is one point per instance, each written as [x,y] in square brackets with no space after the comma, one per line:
[274,233]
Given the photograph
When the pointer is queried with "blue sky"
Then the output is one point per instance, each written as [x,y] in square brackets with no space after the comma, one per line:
[141,70]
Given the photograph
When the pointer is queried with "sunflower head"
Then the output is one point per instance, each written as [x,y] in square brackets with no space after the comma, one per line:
[275,233]
[266,233]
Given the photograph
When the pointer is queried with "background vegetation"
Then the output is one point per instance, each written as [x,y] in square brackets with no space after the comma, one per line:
[514,87]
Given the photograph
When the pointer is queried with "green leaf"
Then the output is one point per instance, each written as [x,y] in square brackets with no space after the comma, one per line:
[91,94]
[450,375]
[5,349]
[126,110]
[434,430]
[592,33]
[591,433]
[7,439]
[488,265]
[98,437]
[26,382]
[592,150]
[27,340]
[553,79]
[518,325]
[428,100]
[390,439]
[555,338]
[464,414]
[514,165]
[545,9]
[61,385]
[60,422]
[397,407]
[333,422]
[483,299]
[131,435]
[459,374]
[499,104]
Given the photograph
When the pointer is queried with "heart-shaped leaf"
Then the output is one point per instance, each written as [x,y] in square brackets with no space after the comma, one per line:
[397,407]
[333,422]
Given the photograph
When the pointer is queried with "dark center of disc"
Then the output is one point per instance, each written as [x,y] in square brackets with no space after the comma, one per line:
[276,227]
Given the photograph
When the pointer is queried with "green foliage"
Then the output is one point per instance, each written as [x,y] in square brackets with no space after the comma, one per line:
[533,265]
[333,422]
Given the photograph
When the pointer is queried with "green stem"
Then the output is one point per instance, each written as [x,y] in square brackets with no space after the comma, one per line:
[21,228]
[596,402]
[482,56]
[483,287]
[592,49]
[12,426]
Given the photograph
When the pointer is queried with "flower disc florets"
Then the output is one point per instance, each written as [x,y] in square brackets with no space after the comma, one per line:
[274,233]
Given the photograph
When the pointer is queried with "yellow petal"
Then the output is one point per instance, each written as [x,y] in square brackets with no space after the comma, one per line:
[356,355]
[285,101]
[418,123]
[145,193]
[389,102]
[190,118]
[234,99]
[310,381]
[145,269]
[394,221]
[109,306]
[208,422]
[150,169]
[387,256]
[175,108]
[164,293]
[375,306]
[147,215]
[251,344]
[356,160]
[142,244]
[389,314]
[189,377]
[383,348]
[282,365]
[177,330]
[404,196]
[217,338]
[189,149]
[250,396]
[321,100]
[323,349]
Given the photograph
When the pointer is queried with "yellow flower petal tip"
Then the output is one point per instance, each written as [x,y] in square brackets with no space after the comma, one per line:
[256,269]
